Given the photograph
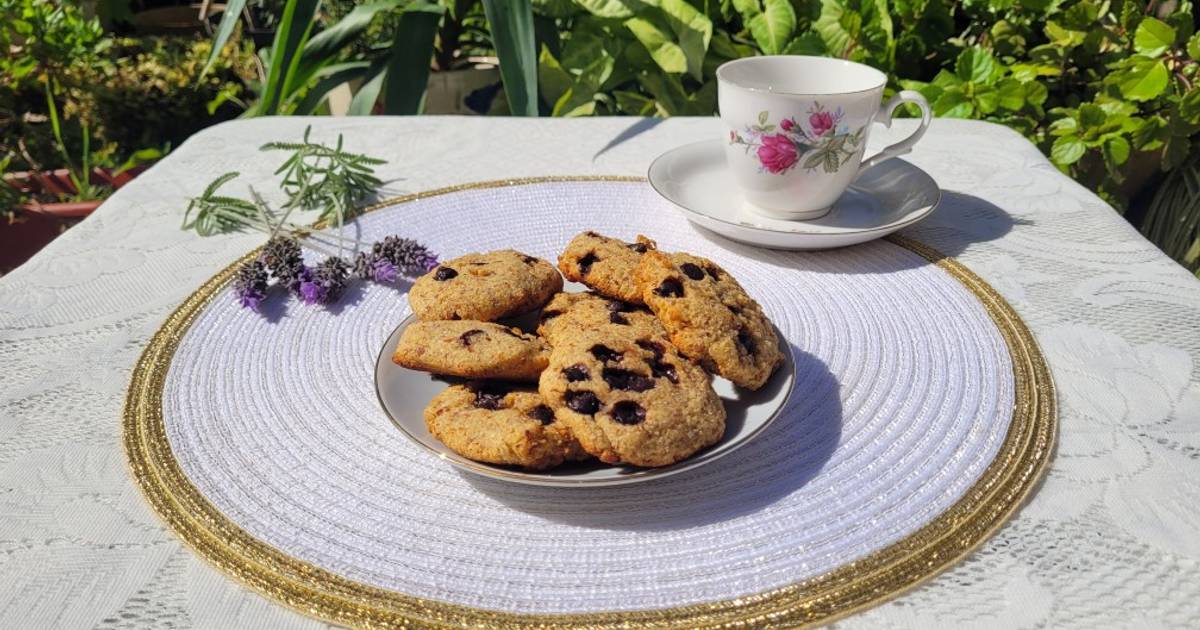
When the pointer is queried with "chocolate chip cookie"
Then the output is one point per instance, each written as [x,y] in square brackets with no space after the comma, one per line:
[569,313]
[709,316]
[484,287]
[499,423]
[604,264]
[632,401]
[471,349]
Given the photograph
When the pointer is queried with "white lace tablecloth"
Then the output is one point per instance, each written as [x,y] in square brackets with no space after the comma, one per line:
[1111,539]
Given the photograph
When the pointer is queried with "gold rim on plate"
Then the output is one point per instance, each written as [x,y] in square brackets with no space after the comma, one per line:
[865,582]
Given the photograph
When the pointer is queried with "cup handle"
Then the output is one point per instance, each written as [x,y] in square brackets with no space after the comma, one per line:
[885,118]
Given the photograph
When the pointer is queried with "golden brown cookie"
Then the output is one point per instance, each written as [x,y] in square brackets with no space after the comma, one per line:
[471,349]
[569,313]
[710,317]
[500,423]
[484,287]
[604,264]
[632,401]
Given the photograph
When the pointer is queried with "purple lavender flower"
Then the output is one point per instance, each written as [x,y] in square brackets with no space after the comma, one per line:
[325,283]
[250,284]
[281,256]
[383,271]
[408,256]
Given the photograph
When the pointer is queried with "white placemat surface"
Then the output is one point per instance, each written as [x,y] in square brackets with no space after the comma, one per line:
[904,393]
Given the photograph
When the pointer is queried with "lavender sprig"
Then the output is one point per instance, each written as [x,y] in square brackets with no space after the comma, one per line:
[250,285]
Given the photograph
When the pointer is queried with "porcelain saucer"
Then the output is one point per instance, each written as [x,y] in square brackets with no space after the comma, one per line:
[885,198]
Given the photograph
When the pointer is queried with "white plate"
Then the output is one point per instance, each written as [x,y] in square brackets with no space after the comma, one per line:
[886,198]
[404,394]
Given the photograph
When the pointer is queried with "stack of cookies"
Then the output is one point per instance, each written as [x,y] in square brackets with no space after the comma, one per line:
[620,373]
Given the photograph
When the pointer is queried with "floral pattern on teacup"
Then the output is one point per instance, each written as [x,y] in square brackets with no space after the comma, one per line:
[825,142]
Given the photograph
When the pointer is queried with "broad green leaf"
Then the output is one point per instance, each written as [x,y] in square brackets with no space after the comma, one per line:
[747,8]
[986,99]
[633,103]
[977,65]
[324,46]
[1063,126]
[229,19]
[510,23]
[1188,108]
[1067,150]
[668,92]
[1153,37]
[611,8]
[553,80]
[693,31]
[1142,80]
[364,99]
[946,79]
[809,43]
[1010,94]
[1116,150]
[1063,37]
[1030,71]
[408,63]
[1036,93]
[666,53]
[1193,47]
[774,26]
[1091,116]
[952,104]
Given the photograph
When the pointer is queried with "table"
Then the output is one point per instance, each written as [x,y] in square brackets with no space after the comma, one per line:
[1110,539]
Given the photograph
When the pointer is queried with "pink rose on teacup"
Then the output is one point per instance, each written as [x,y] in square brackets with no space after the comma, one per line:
[786,124]
[777,153]
[821,122]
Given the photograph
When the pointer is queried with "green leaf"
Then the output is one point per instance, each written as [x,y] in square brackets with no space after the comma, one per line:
[553,80]
[329,77]
[747,8]
[693,30]
[408,63]
[1116,150]
[986,99]
[1010,94]
[1063,126]
[1036,93]
[774,26]
[668,92]
[1063,37]
[1091,116]
[1142,79]
[1067,150]
[1153,37]
[364,99]
[611,8]
[1193,47]
[290,36]
[977,65]
[325,45]
[953,104]
[510,23]
[809,43]
[666,53]
[229,18]
[633,103]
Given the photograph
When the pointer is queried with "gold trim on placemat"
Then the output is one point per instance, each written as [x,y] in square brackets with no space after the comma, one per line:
[997,493]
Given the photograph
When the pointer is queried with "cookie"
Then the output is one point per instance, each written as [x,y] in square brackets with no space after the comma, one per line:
[710,317]
[471,349]
[606,265]
[484,287]
[632,401]
[499,423]
[569,313]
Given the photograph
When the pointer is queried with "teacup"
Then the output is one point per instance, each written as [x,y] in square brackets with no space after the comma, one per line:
[798,127]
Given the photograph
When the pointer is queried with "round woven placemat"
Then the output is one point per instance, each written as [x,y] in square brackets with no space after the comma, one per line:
[924,414]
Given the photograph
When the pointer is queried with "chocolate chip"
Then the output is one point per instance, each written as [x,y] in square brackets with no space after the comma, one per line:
[576,373]
[550,314]
[692,271]
[455,316]
[670,287]
[490,397]
[665,370]
[510,333]
[585,263]
[604,353]
[652,346]
[618,318]
[638,247]
[530,260]
[626,380]
[746,341]
[736,310]
[465,338]
[617,306]
[542,414]
[713,272]
[628,412]
[583,402]
[592,234]
[444,273]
